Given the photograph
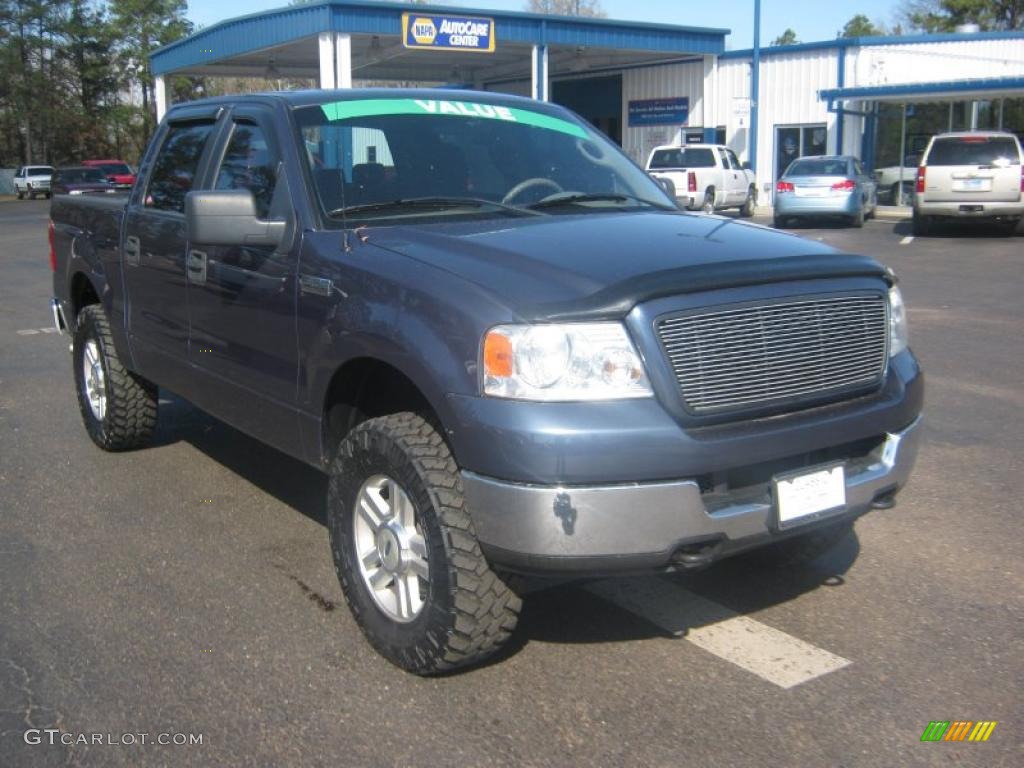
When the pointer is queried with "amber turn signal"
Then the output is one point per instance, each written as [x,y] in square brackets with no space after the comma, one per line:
[497,355]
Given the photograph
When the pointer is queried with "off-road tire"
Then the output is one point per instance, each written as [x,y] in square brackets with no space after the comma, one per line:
[747,209]
[802,549]
[468,612]
[131,410]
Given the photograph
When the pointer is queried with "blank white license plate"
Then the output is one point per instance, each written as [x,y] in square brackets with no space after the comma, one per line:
[811,191]
[972,185]
[807,494]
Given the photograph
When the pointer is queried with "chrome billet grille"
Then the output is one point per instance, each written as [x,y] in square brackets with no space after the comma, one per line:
[791,351]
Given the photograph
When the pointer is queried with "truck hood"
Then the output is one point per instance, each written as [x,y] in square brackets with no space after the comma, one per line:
[602,265]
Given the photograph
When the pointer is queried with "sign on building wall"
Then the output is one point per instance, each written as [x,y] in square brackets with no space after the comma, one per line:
[659,111]
[448,33]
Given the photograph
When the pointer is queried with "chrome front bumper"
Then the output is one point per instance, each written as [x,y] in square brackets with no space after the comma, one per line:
[603,528]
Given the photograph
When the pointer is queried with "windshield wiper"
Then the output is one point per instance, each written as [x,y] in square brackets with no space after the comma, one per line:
[414,203]
[579,197]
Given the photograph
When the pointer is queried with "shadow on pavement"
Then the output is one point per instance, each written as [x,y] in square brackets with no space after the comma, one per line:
[289,480]
[566,613]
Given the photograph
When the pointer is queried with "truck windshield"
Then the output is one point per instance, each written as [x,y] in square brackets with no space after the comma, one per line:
[391,159]
[39,170]
[115,168]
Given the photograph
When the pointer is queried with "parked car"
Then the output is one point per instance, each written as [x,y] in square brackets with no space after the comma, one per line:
[80,180]
[32,180]
[118,172]
[888,180]
[825,185]
[513,355]
[706,177]
[970,176]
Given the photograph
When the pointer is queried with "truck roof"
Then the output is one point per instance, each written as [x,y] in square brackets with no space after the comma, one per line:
[312,97]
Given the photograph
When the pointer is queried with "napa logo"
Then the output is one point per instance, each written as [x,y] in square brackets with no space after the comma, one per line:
[473,34]
[423,30]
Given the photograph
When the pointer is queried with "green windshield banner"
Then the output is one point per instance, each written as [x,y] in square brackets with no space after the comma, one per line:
[345,110]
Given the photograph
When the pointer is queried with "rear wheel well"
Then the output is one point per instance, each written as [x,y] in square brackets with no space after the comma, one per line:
[82,295]
[366,388]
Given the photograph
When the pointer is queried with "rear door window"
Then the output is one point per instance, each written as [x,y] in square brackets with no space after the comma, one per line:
[998,151]
[724,157]
[176,165]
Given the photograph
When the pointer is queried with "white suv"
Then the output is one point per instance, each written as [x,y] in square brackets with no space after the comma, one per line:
[33,180]
[973,175]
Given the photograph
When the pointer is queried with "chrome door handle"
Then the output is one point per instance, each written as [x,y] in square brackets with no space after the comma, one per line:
[197,267]
[132,249]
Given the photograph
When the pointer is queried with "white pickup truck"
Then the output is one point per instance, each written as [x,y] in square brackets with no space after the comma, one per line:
[708,177]
[33,180]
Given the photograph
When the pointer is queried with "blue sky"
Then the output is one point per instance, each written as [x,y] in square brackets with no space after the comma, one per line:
[810,19]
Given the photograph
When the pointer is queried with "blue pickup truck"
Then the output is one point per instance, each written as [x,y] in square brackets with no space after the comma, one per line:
[514,357]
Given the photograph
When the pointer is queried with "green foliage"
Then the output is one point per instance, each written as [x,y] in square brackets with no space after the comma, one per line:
[68,70]
[786,38]
[947,15]
[860,26]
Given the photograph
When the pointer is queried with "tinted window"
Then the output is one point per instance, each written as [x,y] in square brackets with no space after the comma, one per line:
[39,170]
[80,176]
[819,167]
[250,163]
[693,157]
[175,167]
[974,150]
[115,168]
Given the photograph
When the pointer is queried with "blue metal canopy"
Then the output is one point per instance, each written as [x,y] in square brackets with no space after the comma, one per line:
[987,87]
[246,35]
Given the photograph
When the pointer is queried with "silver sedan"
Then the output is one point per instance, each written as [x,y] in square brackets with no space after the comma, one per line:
[826,185]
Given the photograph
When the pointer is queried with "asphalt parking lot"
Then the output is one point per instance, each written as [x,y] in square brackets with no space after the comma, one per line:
[188,588]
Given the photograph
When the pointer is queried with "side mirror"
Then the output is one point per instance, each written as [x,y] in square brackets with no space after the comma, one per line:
[228,217]
[746,166]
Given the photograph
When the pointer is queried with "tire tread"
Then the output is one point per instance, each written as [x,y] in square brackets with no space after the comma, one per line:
[484,610]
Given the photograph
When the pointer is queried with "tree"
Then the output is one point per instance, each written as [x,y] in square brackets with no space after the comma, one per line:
[947,15]
[143,26]
[786,38]
[567,7]
[860,26]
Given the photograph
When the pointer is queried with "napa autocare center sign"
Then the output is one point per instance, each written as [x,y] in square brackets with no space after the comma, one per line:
[659,111]
[447,33]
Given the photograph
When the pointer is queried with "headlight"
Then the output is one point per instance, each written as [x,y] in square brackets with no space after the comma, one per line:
[897,322]
[574,361]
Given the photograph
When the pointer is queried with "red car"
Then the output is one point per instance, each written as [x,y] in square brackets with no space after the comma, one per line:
[118,172]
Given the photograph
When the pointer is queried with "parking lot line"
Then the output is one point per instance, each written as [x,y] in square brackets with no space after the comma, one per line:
[772,655]
[907,240]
